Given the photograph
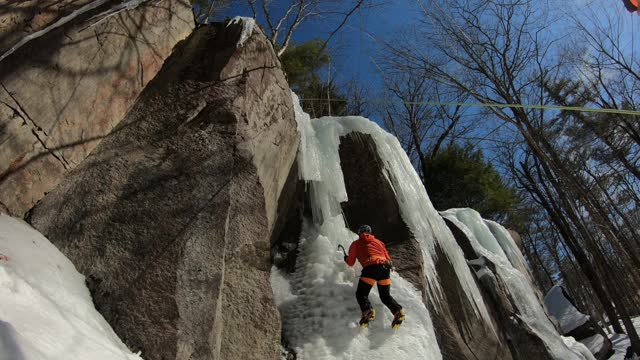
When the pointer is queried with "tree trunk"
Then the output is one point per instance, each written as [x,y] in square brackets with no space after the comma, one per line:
[581,258]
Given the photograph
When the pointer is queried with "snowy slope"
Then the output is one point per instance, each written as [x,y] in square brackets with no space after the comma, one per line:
[567,315]
[46,312]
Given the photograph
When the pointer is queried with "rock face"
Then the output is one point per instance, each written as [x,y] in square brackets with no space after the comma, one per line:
[292,207]
[524,341]
[20,19]
[23,18]
[60,94]
[372,201]
[171,217]
[518,239]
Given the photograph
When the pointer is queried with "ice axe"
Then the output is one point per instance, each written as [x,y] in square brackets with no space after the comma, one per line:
[340,247]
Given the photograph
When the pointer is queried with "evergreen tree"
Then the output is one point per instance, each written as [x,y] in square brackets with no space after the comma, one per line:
[302,64]
[460,177]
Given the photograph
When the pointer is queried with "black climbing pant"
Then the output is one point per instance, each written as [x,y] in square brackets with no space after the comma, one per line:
[370,275]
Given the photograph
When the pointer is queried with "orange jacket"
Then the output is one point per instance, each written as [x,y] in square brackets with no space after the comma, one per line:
[368,250]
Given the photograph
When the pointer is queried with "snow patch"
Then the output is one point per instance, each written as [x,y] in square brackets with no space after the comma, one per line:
[281,287]
[247,28]
[46,310]
[561,308]
[621,342]
[593,343]
[577,347]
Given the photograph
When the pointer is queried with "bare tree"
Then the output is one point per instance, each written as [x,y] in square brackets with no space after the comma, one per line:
[499,51]
[357,99]
[421,127]
[297,12]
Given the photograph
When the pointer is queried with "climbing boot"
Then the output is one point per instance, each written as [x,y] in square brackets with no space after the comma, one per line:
[398,318]
[367,316]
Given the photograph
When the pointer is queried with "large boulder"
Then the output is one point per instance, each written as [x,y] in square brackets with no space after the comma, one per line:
[63,92]
[525,340]
[372,200]
[171,217]
[576,324]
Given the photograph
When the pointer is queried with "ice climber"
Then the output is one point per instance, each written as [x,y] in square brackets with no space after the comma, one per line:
[376,267]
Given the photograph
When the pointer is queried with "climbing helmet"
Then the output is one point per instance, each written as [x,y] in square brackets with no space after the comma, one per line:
[363,229]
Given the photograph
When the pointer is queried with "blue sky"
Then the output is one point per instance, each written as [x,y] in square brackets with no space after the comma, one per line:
[356,46]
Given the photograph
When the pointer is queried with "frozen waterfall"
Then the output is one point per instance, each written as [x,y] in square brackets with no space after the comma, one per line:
[317,301]
[492,241]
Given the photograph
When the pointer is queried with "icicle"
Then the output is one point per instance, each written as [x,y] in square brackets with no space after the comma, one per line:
[509,247]
[308,162]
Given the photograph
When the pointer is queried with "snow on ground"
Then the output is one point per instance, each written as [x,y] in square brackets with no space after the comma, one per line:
[593,343]
[560,308]
[621,342]
[46,312]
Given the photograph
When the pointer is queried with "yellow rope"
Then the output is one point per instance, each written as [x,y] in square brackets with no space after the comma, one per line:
[521,106]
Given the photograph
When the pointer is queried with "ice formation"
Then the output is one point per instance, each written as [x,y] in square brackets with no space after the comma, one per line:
[46,310]
[511,250]
[247,28]
[529,307]
[560,308]
[317,301]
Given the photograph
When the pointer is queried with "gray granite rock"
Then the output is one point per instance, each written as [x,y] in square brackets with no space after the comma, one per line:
[171,217]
